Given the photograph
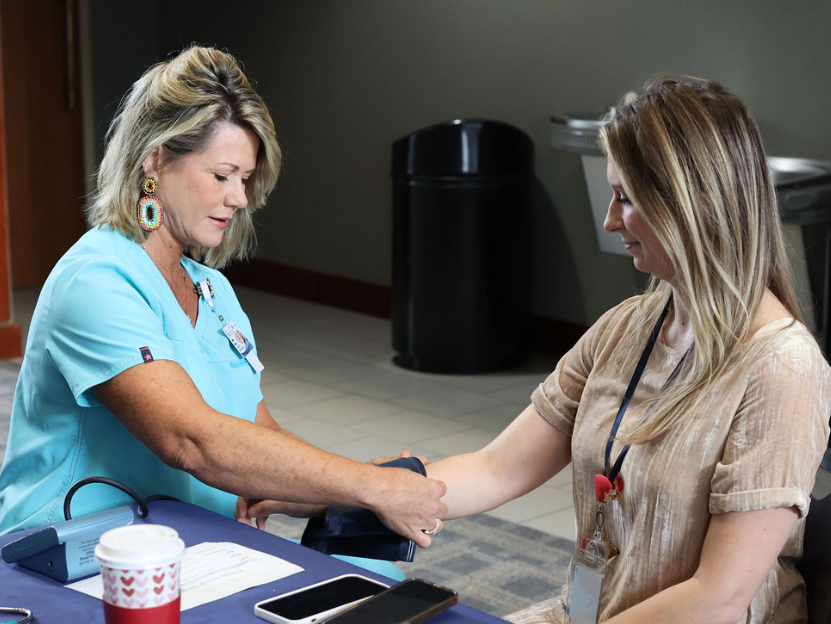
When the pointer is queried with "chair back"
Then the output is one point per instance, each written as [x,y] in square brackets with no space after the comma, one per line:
[815,564]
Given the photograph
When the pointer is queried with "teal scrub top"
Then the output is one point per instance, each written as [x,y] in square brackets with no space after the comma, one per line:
[103,307]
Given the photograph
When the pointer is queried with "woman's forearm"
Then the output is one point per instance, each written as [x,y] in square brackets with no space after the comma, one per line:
[689,602]
[526,454]
[471,486]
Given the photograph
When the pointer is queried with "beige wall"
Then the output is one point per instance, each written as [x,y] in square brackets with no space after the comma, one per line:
[345,78]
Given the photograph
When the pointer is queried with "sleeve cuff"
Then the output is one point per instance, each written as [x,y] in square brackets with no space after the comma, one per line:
[549,412]
[754,500]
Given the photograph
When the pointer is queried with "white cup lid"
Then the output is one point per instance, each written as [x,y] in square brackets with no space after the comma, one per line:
[139,546]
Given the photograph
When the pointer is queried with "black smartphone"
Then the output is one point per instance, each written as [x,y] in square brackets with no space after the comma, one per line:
[316,602]
[410,602]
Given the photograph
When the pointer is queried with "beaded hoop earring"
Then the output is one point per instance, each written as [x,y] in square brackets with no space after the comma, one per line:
[149,209]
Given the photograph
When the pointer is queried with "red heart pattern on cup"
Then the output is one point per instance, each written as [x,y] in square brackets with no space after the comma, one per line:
[141,589]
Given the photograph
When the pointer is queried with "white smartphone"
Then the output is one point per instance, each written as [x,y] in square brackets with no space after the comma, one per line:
[316,602]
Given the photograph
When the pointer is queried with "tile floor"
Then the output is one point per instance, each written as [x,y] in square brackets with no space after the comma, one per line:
[329,377]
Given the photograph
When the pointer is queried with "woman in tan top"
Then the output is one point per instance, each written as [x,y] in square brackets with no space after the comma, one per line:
[729,418]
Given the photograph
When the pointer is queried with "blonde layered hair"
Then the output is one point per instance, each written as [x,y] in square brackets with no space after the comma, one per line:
[691,158]
[175,106]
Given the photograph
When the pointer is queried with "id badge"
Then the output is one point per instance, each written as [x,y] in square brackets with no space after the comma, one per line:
[585,580]
[242,345]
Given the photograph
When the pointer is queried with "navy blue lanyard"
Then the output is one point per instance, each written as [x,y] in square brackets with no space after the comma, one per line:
[633,383]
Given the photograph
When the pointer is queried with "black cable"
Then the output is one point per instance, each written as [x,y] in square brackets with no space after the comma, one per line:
[158,497]
[142,504]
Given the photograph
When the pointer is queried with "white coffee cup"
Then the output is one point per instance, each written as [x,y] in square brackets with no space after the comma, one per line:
[140,572]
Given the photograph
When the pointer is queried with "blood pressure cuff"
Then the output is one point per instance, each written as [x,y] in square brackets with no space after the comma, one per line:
[358,532]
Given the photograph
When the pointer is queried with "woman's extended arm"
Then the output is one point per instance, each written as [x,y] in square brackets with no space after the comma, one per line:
[248,509]
[525,455]
[260,462]
[739,551]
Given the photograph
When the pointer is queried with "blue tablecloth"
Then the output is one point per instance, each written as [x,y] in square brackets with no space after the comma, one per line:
[51,602]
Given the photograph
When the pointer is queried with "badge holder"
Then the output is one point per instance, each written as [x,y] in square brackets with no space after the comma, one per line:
[242,345]
[587,571]
[585,580]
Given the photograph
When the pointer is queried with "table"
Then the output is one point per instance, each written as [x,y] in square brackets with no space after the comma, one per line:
[50,601]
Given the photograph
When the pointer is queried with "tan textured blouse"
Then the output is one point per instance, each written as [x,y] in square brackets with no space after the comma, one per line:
[754,443]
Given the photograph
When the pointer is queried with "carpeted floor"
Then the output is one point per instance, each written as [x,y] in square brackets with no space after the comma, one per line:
[496,566]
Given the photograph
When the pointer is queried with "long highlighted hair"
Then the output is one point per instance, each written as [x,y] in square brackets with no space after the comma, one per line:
[691,159]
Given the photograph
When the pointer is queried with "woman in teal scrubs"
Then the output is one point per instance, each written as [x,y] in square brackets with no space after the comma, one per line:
[140,363]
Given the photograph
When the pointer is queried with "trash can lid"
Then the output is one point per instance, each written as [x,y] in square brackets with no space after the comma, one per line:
[464,147]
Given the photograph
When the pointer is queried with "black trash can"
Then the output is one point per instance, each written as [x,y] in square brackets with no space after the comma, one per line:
[462,247]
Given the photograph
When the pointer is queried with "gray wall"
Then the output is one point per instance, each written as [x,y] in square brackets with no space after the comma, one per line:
[345,78]
[124,41]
